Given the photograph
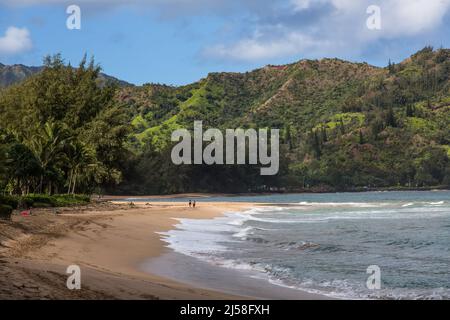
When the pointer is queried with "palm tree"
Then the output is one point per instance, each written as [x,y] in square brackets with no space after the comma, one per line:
[23,167]
[3,163]
[82,163]
[48,144]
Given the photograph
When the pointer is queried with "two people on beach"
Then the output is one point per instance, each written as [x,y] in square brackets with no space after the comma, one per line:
[192,203]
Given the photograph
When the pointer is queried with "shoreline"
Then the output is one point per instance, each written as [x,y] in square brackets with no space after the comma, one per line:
[109,241]
[167,259]
[205,196]
[195,272]
[245,284]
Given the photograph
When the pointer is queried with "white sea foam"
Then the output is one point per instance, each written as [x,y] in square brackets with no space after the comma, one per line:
[242,234]
[436,203]
[408,204]
[264,209]
[346,289]
[210,240]
[344,204]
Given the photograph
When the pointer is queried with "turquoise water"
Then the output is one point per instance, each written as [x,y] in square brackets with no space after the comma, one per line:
[323,243]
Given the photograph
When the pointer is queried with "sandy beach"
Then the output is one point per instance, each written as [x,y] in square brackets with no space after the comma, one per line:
[109,241]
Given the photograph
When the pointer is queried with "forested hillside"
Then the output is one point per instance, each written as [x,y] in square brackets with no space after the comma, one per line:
[343,126]
[61,132]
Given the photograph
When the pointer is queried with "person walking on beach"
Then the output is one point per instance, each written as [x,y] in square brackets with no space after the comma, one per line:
[190,203]
[193,204]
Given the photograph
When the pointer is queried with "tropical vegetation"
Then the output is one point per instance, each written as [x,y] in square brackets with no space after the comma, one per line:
[344,126]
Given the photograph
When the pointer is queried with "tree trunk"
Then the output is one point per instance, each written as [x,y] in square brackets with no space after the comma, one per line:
[74,182]
[40,183]
[70,181]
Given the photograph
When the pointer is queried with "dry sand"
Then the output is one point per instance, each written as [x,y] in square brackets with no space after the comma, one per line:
[108,241]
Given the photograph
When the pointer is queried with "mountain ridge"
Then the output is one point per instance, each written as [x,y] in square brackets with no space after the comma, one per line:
[342,124]
[27,70]
[16,73]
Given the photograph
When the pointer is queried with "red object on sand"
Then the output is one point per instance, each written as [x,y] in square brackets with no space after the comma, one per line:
[25,213]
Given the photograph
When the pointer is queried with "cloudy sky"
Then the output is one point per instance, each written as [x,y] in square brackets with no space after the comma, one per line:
[180,41]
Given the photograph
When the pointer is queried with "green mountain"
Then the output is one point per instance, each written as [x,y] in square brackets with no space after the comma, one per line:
[343,126]
[300,96]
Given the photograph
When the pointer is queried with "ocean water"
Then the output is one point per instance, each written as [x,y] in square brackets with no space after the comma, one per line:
[324,243]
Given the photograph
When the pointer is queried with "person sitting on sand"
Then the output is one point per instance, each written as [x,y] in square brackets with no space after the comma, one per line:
[26,213]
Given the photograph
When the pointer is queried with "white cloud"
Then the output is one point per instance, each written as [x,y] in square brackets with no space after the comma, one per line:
[300,5]
[258,48]
[15,40]
[410,17]
[331,27]
[399,17]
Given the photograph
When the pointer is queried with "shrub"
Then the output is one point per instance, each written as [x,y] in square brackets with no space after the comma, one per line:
[41,205]
[5,212]
[68,199]
[25,202]
[44,201]
[9,201]
[33,199]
